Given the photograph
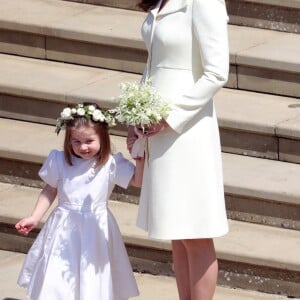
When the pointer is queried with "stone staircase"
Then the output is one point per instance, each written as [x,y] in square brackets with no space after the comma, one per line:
[55,52]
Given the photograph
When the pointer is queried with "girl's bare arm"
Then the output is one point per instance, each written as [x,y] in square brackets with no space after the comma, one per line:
[137,178]
[45,199]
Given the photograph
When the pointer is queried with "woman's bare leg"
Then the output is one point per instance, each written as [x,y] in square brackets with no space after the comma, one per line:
[181,268]
[203,268]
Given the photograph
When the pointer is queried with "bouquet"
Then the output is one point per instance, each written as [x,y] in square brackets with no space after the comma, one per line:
[140,105]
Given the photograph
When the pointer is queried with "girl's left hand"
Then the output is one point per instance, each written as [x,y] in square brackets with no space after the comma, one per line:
[156,128]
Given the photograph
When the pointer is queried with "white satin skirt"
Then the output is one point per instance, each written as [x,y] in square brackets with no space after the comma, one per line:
[78,255]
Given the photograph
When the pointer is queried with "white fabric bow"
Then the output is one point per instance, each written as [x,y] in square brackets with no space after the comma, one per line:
[138,148]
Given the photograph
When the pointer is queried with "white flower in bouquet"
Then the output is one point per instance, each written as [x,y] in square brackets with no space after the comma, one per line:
[140,105]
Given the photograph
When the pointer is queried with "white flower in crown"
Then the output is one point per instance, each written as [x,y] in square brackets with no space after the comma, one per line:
[80,111]
[73,110]
[91,108]
[66,113]
[98,116]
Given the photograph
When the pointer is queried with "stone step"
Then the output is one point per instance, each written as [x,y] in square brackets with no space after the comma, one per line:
[257,190]
[251,256]
[151,287]
[110,38]
[269,14]
[251,123]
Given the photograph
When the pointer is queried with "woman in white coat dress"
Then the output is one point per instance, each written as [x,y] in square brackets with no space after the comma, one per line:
[182,197]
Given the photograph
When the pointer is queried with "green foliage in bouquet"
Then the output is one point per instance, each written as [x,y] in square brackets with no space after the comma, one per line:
[140,105]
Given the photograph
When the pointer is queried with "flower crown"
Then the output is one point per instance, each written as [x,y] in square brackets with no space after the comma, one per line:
[90,112]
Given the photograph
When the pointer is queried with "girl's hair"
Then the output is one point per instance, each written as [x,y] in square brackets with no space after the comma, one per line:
[146,5]
[101,129]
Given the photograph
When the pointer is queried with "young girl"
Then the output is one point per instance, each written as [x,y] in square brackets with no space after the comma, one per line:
[79,253]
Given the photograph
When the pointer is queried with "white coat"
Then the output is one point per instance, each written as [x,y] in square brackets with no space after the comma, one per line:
[182,195]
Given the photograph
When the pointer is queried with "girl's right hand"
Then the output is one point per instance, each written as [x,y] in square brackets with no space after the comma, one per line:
[26,225]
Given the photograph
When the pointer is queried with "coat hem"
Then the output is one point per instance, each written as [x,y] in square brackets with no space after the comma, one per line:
[184,237]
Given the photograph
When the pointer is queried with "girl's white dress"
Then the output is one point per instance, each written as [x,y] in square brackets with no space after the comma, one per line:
[79,253]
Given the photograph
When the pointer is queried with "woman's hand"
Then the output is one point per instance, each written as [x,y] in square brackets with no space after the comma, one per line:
[156,128]
[26,225]
[135,132]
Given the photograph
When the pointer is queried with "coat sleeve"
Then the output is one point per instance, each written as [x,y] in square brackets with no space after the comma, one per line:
[209,18]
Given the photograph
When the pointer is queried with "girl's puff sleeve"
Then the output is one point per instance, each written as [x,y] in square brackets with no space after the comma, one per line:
[121,170]
[209,19]
[49,171]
